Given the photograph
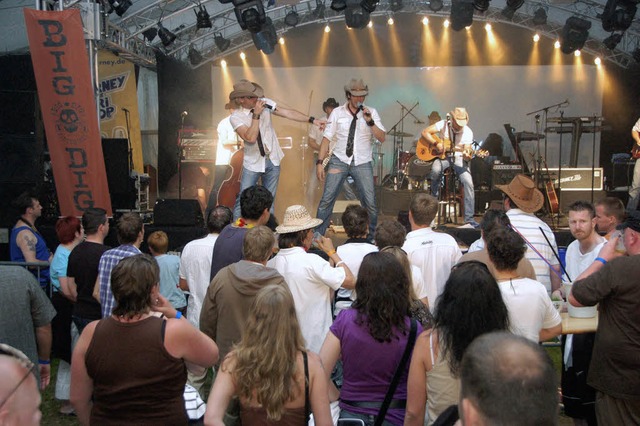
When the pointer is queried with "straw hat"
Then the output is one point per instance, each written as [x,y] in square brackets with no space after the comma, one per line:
[522,190]
[460,116]
[246,88]
[357,87]
[297,218]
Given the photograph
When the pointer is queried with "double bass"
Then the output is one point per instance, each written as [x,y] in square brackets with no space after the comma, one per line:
[228,191]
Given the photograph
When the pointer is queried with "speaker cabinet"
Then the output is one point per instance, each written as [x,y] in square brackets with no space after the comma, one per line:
[502,174]
[173,212]
[122,187]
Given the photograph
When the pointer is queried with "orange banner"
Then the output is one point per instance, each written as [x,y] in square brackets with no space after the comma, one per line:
[69,113]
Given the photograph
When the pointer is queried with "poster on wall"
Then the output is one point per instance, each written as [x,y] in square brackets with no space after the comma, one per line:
[119,118]
[65,92]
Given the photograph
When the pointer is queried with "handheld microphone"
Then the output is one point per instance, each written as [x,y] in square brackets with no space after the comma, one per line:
[448,118]
[124,109]
[184,114]
[267,106]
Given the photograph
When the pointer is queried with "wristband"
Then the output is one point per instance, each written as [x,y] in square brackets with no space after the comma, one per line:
[255,116]
[331,253]
[44,361]
[340,263]
[319,162]
[178,314]
[599,259]
[311,119]
[371,123]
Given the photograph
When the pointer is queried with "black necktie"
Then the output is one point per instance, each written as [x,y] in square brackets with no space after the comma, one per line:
[352,133]
[260,145]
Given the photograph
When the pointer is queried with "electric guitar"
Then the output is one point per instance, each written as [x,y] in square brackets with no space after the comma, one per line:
[635,151]
[427,151]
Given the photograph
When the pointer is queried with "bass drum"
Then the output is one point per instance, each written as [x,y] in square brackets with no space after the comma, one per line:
[418,169]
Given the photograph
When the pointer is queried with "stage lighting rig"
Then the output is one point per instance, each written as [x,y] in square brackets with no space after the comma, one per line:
[203,20]
[574,34]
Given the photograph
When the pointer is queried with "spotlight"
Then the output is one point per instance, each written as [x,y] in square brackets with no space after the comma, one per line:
[597,61]
[250,15]
[612,41]
[536,37]
[222,43]
[327,28]
[203,20]
[370,24]
[318,13]
[540,16]
[577,53]
[396,5]
[618,15]
[369,5]
[481,5]
[556,45]
[265,39]
[511,7]
[338,5]
[574,34]
[281,40]
[150,34]
[488,27]
[166,36]
[243,56]
[436,5]
[292,18]
[223,63]
[461,14]
[356,17]
[195,57]
[119,6]
[446,23]
[390,21]
[425,21]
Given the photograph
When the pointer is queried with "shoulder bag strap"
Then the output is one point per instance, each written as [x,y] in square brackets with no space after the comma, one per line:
[307,405]
[396,377]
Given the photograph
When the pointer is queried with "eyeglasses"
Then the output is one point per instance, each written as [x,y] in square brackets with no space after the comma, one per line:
[23,360]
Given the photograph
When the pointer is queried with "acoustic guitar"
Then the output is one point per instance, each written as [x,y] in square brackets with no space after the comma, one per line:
[635,151]
[427,151]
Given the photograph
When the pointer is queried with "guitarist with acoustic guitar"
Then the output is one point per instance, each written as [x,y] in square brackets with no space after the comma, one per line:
[634,189]
[448,144]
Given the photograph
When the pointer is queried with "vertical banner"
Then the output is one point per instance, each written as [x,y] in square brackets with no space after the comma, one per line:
[119,118]
[61,67]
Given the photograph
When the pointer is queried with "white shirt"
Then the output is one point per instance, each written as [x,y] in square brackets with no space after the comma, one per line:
[311,280]
[530,308]
[577,262]
[195,267]
[529,226]
[338,126]
[352,254]
[636,127]
[253,161]
[226,134]
[434,253]
[465,137]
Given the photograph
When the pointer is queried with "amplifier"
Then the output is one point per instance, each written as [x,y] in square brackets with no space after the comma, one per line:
[578,179]
[502,174]
[197,145]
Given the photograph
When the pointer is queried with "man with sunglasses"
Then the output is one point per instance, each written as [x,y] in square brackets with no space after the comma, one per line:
[262,151]
[19,396]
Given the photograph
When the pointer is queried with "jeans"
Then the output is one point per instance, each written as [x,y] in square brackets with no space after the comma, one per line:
[269,179]
[462,170]
[335,177]
[634,189]
[80,323]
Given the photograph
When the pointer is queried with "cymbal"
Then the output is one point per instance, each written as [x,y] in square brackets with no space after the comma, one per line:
[400,134]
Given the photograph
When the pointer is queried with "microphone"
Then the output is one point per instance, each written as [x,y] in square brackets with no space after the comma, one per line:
[566,101]
[268,106]
[360,107]
[124,109]
[184,114]
[448,118]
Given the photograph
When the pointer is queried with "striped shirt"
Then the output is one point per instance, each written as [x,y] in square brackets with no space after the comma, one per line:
[528,225]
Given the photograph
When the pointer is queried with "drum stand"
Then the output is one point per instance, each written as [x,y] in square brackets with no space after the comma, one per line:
[397,174]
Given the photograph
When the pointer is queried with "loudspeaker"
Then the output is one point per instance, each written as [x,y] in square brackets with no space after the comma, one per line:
[480,173]
[502,174]
[122,187]
[569,197]
[579,179]
[173,212]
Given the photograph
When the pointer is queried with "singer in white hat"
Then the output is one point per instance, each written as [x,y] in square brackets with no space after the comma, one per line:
[355,127]
[449,142]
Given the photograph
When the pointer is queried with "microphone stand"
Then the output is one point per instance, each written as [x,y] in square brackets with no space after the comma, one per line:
[180,154]
[130,148]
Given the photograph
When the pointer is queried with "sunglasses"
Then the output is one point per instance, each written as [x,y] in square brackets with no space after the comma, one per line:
[23,360]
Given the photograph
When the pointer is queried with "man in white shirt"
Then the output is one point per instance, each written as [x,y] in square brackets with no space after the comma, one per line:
[262,151]
[634,189]
[455,132]
[577,396]
[354,126]
[521,200]
[609,214]
[434,253]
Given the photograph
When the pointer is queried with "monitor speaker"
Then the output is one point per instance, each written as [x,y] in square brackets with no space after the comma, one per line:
[175,212]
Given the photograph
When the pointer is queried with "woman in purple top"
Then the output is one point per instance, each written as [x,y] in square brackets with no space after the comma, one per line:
[370,338]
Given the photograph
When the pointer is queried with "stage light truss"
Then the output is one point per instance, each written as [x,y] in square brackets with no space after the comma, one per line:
[127,35]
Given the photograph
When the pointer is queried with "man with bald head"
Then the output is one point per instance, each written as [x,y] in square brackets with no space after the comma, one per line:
[507,380]
[19,395]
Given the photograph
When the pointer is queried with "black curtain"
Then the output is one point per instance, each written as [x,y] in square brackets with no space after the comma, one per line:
[180,88]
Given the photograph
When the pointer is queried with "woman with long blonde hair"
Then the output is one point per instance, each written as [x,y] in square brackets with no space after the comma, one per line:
[276,381]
